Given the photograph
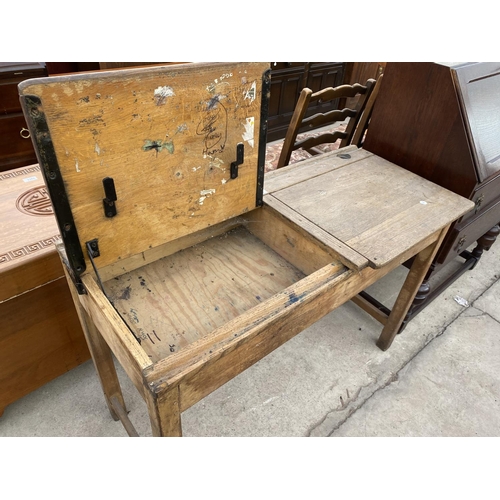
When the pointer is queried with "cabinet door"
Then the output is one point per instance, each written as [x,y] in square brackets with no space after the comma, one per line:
[287,81]
[320,76]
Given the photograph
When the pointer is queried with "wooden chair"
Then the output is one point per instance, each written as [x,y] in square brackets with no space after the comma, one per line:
[299,123]
[363,122]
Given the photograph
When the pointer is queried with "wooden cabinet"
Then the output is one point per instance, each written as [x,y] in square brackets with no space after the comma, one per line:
[40,334]
[16,149]
[442,122]
[287,80]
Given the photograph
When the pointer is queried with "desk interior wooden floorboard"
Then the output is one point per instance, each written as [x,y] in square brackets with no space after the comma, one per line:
[174,301]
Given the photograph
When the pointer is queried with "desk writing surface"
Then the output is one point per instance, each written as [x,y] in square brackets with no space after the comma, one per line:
[366,204]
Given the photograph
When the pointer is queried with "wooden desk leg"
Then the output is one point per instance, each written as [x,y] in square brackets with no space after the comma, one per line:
[103,361]
[101,355]
[410,287]
[164,413]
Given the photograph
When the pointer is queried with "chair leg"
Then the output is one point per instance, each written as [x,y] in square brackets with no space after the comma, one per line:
[164,413]
[414,279]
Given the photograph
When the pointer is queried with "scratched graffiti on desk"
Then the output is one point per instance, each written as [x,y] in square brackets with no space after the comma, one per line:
[213,126]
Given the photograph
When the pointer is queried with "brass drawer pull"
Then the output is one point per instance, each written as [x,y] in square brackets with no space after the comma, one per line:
[479,202]
[461,243]
[25,133]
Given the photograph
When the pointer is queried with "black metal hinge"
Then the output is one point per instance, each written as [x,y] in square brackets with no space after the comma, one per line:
[46,155]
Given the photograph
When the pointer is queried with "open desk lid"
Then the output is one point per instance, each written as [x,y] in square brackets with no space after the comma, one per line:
[171,149]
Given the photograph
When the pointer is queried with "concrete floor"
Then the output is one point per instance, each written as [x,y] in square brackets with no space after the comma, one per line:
[439,378]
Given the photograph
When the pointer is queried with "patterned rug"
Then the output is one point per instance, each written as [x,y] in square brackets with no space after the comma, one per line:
[273,150]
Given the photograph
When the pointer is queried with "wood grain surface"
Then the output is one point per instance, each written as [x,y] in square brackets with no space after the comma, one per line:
[167,136]
[372,206]
[28,232]
[176,300]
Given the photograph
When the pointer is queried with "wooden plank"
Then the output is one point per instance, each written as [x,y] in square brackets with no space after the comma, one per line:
[167,136]
[348,256]
[371,309]
[124,266]
[289,240]
[101,354]
[108,322]
[312,167]
[165,414]
[376,208]
[408,291]
[176,300]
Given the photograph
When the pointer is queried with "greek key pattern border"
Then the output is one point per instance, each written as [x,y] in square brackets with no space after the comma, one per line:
[28,249]
[18,172]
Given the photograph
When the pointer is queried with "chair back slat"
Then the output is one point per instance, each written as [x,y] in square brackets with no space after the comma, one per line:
[301,123]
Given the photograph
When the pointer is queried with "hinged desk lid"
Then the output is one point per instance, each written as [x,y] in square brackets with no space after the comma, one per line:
[165,136]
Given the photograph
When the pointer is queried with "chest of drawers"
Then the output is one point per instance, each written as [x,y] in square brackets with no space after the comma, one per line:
[16,149]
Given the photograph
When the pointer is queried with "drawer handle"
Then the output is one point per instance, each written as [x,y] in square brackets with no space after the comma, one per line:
[479,202]
[25,133]
[461,243]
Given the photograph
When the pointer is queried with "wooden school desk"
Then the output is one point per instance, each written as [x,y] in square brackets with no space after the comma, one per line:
[183,260]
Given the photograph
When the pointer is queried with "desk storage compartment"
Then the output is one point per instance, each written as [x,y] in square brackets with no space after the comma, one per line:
[182,298]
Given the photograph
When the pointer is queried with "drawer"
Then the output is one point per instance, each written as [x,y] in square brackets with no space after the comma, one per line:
[484,196]
[9,98]
[15,151]
[464,234]
[10,75]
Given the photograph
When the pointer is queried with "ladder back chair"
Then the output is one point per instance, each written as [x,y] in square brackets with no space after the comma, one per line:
[300,124]
[364,120]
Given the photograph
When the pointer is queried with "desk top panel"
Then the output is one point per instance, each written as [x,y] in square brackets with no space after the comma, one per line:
[368,204]
[166,136]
